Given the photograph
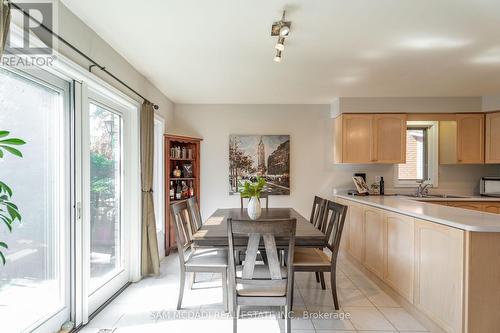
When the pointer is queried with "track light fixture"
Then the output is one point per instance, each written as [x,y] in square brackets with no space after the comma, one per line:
[281,44]
[280,29]
[277,57]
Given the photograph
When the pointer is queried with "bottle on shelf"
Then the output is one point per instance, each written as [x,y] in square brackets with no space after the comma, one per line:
[177,172]
[178,192]
[191,189]
[185,190]
[172,191]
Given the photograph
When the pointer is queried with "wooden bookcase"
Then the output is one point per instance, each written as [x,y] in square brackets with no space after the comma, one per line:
[189,143]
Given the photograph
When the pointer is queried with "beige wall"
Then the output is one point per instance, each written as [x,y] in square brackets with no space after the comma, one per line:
[71,28]
[311,143]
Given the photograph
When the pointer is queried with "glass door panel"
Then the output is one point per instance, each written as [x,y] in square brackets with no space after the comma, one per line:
[34,283]
[105,195]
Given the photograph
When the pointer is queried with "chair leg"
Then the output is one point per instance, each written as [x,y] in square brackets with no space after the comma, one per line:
[224,290]
[293,291]
[192,280]
[235,318]
[288,321]
[181,289]
[333,281]
[322,280]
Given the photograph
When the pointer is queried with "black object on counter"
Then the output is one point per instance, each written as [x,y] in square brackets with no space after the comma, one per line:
[382,190]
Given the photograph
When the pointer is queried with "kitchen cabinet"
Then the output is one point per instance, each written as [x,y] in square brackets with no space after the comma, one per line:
[447,274]
[356,231]
[398,272]
[482,206]
[470,138]
[374,242]
[492,138]
[493,207]
[370,138]
[466,205]
[389,142]
[461,141]
[439,273]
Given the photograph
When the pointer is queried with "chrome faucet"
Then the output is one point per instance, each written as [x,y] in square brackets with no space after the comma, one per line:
[422,189]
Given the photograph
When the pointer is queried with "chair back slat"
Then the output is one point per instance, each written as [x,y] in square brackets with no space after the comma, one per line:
[195,214]
[317,212]
[272,256]
[251,256]
[335,214]
[182,225]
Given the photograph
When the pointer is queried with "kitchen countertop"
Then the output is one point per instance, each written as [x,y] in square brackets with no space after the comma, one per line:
[451,216]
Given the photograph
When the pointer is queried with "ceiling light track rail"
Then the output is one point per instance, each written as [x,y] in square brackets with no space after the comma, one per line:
[81,53]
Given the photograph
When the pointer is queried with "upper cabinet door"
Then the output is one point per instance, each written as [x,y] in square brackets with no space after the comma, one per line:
[389,143]
[357,138]
[470,138]
[493,137]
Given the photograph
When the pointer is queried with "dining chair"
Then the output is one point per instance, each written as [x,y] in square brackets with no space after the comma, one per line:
[262,196]
[194,212]
[211,260]
[265,284]
[195,216]
[316,260]
[317,214]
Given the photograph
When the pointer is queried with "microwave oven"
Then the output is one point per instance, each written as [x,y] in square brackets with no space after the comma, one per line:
[490,186]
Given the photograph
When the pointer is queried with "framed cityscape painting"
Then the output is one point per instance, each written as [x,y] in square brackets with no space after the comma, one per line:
[267,156]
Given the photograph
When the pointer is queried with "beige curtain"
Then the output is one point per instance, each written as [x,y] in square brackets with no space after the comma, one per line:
[150,260]
[4,24]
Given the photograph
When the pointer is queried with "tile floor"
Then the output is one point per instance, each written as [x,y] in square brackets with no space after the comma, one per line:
[149,306]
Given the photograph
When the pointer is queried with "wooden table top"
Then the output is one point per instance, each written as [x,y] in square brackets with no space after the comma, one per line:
[214,230]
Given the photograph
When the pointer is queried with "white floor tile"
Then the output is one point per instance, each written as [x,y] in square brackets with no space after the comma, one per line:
[150,306]
[402,320]
[368,319]
[353,297]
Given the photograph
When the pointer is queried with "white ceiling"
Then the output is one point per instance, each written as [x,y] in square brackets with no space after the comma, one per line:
[221,51]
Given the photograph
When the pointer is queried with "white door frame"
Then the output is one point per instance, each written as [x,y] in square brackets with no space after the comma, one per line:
[159,187]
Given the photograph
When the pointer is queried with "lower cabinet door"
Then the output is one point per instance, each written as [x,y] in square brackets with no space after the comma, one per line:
[356,231]
[374,231]
[400,254]
[439,272]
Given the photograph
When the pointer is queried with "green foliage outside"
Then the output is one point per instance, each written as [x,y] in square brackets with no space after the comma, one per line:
[9,212]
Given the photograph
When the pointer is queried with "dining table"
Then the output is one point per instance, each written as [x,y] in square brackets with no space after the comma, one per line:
[213,232]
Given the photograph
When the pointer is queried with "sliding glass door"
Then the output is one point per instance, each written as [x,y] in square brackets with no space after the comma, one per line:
[34,282]
[106,232]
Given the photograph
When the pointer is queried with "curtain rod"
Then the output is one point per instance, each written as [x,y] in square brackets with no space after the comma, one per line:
[74,48]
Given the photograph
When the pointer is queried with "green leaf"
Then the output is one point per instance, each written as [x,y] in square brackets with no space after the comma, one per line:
[13,141]
[12,150]
[7,222]
[14,214]
[2,244]
[4,134]
[4,187]
[1,153]
[2,258]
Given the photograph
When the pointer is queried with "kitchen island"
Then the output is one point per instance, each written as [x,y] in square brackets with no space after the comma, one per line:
[443,261]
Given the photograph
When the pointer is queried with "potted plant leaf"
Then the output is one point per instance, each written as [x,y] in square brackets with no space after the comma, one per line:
[9,212]
[252,191]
